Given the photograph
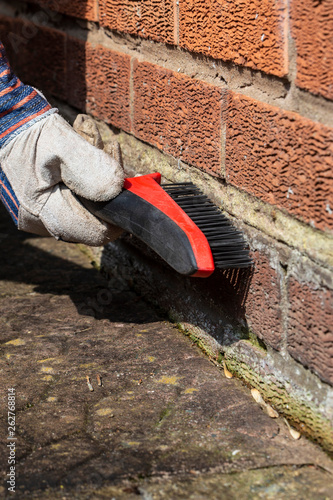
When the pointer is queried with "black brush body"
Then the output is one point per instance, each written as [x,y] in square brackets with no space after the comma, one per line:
[178,222]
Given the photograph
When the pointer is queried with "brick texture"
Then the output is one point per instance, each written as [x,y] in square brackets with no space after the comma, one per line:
[282,158]
[262,306]
[83,9]
[179,115]
[312,28]
[146,18]
[248,33]
[30,49]
[99,82]
[310,332]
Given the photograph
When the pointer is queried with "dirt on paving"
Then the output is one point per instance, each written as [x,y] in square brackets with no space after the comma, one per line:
[112,401]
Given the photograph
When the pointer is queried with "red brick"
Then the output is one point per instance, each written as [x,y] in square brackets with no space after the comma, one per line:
[37,54]
[179,115]
[282,158]
[262,306]
[146,18]
[310,330]
[248,33]
[98,82]
[312,28]
[83,9]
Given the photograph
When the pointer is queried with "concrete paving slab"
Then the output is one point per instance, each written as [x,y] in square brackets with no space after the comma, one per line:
[161,421]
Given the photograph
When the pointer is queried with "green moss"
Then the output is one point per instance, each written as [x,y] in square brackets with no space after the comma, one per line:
[200,343]
[256,341]
[163,415]
[301,414]
[220,358]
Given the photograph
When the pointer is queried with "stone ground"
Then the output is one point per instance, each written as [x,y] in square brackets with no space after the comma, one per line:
[164,424]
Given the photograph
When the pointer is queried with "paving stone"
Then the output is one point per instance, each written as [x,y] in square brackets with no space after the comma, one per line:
[163,422]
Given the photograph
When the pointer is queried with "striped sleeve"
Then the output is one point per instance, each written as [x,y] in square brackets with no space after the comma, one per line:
[20,105]
[8,198]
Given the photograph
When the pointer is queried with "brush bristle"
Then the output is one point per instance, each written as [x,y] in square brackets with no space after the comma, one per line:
[228,246]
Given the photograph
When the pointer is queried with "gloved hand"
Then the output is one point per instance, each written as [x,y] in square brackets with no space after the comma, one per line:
[43,162]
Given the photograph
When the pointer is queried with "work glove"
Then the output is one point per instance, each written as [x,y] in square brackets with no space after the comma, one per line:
[44,163]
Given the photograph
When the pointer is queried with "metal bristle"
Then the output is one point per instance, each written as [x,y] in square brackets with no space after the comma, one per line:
[227,243]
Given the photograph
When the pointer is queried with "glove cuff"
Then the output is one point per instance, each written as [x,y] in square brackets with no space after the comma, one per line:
[20,105]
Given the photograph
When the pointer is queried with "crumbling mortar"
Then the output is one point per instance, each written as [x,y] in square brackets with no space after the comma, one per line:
[307,272]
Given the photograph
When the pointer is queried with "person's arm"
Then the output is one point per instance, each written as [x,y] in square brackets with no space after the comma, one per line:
[44,163]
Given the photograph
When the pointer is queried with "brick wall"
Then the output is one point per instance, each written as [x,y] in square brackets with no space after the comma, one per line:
[238,93]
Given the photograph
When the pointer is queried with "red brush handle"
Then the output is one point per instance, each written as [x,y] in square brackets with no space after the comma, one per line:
[147,187]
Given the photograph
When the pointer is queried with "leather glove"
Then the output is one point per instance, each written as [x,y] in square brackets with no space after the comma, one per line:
[44,163]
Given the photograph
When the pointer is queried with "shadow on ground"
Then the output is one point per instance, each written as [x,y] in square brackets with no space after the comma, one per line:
[49,269]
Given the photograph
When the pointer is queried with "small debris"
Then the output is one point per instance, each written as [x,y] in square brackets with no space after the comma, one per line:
[91,389]
[99,381]
[257,396]
[80,331]
[226,371]
[271,412]
[212,360]
[140,381]
[293,432]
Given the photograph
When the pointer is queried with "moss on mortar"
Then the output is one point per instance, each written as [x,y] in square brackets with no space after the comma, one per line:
[253,339]
[302,415]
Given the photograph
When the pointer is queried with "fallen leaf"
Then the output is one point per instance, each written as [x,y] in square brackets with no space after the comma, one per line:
[293,432]
[226,371]
[257,396]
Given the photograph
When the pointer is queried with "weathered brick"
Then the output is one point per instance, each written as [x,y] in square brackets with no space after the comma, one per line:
[99,81]
[250,33]
[179,115]
[30,49]
[262,307]
[146,18]
[312,28]
[76,69]
[310,330]
[282,158]
[86,9]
